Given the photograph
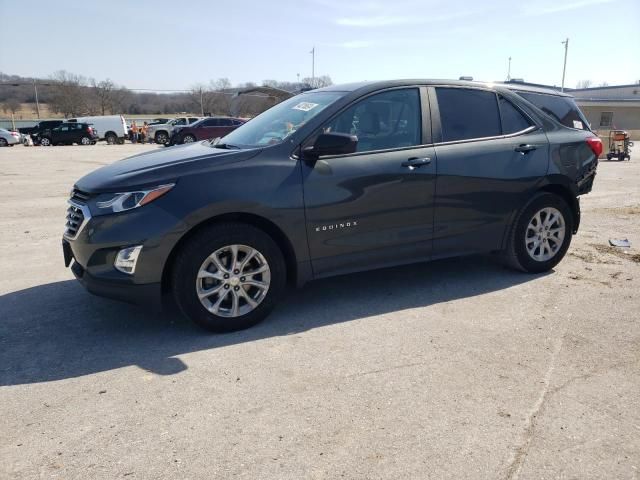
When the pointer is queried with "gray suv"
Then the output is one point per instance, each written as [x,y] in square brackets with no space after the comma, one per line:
[336,180]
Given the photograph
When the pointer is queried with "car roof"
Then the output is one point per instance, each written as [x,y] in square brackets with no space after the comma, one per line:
[364,87]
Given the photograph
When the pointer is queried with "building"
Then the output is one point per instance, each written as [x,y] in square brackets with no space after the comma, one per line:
[615,107]
[609,108]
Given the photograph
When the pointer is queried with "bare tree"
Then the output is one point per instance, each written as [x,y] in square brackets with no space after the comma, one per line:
[604,84]
[318,82]
[11,106]
[69,94]
[107,96]
[584,84]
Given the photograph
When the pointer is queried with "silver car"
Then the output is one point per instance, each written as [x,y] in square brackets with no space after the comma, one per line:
[162,132]
[9,139]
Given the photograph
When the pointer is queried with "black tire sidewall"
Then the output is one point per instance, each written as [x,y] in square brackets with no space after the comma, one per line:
[518,245]
[195,251]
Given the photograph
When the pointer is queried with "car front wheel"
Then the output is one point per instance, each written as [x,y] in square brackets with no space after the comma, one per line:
[228,277]
[45,142]
[161,137]
[541,235]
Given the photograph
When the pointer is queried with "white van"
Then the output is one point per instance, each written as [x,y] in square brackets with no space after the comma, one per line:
[111,128]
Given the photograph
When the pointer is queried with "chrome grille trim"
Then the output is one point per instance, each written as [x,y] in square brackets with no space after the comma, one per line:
[77,217]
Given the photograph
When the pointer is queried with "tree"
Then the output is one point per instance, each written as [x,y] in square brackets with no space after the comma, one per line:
[11,106]
[584,84]
[107,96]
[318,82]
[69,94]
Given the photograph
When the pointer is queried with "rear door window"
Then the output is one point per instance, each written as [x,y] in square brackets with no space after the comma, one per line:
[468,113]
[563,109]
[513,120]
[210,122]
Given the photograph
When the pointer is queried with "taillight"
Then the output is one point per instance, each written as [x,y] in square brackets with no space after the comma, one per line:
[595,144]
[89,129]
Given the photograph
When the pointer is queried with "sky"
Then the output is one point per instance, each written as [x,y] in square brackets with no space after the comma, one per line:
[174,44]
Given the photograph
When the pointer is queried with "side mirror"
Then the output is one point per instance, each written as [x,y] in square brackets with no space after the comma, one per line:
[332,144]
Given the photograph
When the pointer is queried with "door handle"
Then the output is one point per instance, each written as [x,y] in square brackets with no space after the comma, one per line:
[416,162]
[524,148]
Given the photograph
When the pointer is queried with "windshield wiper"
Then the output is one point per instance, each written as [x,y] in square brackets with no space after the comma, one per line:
[227,146]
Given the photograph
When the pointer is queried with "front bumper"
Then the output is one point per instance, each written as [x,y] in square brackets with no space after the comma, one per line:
[147,294]
[92,252]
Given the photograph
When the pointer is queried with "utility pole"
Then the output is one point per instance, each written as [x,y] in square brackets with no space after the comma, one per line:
[313,67]
[298,75]
[509,70]
[564,68]
[35,90]
[201,104]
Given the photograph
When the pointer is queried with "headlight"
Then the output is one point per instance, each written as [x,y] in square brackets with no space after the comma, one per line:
[120,202]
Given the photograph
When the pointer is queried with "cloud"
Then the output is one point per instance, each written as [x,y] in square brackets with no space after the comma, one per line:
[390,20]
[374,21]
[534,10]
[356,44]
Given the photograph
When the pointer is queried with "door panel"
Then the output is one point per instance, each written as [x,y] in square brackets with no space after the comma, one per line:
[480,184]
[367,209]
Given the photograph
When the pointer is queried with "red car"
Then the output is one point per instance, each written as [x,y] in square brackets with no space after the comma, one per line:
[207,128]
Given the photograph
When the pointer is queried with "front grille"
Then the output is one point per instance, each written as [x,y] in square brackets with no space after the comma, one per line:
[77,214]
[75,220]
[79,196]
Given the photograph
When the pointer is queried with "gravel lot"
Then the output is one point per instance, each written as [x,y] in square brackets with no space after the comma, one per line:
[454,369]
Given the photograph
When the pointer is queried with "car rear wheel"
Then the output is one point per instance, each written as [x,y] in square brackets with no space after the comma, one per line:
[161,137]
[3,142]
[541,235]
[111,139]
[85,141]
[188,139]
[45,142]
[228,277]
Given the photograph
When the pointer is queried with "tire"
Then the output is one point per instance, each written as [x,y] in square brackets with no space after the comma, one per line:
[3,142]
[162,137]
[188,139]
[195,258]
[524,234]
[85,141]
[111,139]
[120,141]
[45,141]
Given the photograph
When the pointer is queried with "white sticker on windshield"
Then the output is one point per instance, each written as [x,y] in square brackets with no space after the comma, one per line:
[577,124]
[305,106]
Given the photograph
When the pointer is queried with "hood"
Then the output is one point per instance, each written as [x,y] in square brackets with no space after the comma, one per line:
[160,166]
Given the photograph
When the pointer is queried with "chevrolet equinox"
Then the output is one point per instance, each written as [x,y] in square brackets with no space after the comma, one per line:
[331,181]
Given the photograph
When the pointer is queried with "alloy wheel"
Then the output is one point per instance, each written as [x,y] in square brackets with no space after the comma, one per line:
[545,234]
[233,281]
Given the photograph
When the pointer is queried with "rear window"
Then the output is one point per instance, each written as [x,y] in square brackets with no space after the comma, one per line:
[513,120]
[468,113]
[563,109]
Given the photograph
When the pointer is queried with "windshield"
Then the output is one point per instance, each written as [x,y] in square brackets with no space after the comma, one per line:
[279,122]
